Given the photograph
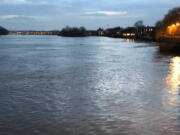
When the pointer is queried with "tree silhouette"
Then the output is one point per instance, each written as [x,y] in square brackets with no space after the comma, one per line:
[73,32]
[3,31]
[139,24]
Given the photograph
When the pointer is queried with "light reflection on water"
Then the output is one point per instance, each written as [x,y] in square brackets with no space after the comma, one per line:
[172,98]
[173,79]
[173,82]
[129,40]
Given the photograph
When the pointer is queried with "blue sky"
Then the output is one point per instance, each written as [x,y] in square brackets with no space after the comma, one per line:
[55,14]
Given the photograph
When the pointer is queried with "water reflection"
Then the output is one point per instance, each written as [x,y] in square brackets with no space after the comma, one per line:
[173,79]
[86,86]
[173,82]
[129,40]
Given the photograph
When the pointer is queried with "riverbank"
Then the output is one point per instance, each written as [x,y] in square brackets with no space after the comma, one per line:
[165,45]
[169,45]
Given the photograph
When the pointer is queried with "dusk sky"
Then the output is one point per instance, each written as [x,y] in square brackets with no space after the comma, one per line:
[55,14]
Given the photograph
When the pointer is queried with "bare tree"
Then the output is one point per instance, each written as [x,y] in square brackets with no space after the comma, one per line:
[139,23]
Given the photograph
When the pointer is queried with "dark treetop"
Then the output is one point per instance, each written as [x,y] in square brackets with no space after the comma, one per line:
[3,31]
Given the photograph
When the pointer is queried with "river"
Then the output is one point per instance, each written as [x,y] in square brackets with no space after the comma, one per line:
[51,85]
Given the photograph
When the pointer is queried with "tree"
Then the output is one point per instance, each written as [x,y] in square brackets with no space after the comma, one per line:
[74,32]
[3,31]
[173,16]
[139,23]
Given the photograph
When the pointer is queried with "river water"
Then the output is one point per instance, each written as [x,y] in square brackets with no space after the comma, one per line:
[51,85]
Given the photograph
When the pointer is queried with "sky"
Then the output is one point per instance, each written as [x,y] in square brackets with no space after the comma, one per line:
[92,14]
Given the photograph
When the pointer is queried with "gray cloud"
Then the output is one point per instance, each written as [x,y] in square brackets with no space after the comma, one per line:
[23,2]
[106,13]
[19,17]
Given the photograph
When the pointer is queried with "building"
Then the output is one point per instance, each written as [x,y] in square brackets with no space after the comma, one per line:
[100,32]
[147,32]
[129,32]
[139,32]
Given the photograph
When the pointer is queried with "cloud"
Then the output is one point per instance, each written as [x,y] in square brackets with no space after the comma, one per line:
[10,17]
[21,2]
[14,1]
[106,13]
